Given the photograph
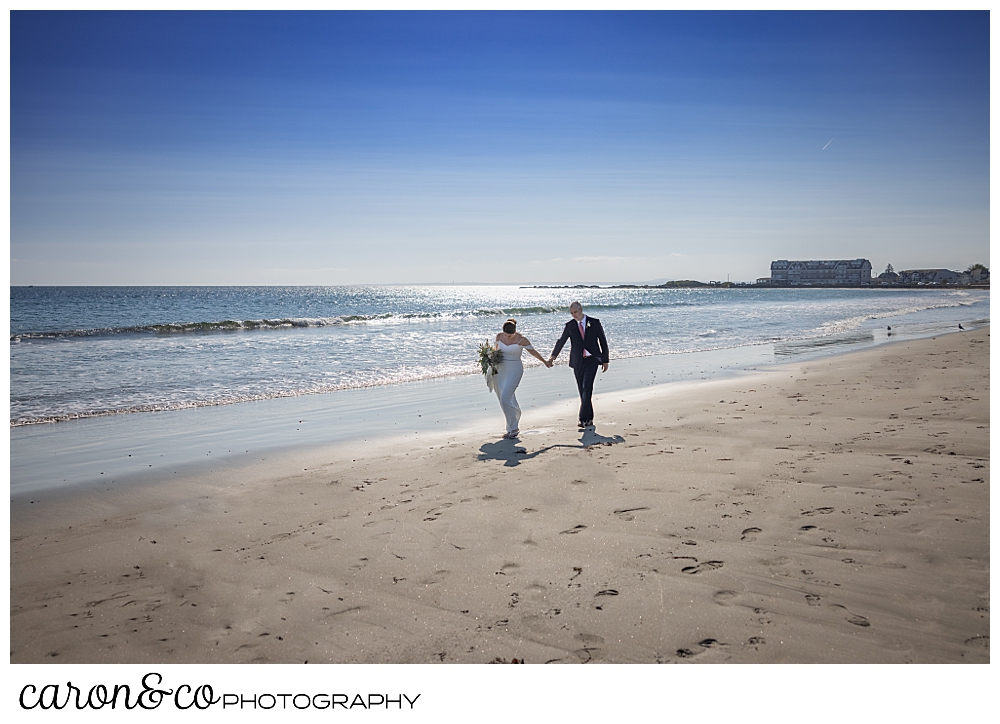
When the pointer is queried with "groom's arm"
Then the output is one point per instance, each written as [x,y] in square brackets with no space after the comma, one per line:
[603,341]
[559,345]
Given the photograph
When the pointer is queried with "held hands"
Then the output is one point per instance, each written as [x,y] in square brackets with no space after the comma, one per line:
[547,362]
[604,367]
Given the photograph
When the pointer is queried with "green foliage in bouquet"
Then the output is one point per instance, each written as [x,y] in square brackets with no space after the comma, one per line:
[489,358]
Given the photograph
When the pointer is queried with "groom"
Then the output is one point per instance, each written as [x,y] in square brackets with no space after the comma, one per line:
[588,349]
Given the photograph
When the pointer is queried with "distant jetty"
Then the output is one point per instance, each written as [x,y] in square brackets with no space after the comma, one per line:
[679,284]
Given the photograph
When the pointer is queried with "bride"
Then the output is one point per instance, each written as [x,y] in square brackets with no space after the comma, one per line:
[510,343]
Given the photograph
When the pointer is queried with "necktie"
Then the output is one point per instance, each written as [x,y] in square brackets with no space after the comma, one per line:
[583,335]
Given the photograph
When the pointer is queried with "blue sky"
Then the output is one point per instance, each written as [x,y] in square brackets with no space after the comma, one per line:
[343,148]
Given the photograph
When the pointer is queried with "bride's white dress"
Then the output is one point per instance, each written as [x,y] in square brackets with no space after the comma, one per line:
[508,377]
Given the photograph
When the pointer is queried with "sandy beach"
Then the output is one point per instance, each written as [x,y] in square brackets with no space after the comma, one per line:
[831,511]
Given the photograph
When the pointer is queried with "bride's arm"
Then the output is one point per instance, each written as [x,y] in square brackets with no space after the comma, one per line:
[533,352]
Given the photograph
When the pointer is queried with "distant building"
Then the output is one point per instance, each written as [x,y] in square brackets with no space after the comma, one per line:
[886,278]
[929,276]
[838,272]
[979,275]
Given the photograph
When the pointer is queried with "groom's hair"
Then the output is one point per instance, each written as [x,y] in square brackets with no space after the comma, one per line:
[509,326]
[575,304]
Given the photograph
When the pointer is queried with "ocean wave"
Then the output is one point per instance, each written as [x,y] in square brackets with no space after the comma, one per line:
[224,325]
[847,324]
[250,325]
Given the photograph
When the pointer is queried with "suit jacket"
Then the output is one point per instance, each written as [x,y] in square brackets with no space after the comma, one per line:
[593,341]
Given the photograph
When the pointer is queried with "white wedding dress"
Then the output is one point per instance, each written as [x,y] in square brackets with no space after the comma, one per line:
[508,377]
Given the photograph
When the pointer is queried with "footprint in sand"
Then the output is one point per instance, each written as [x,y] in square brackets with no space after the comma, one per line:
[435,577]
[978,642]
[626,513]
[750,534]
[701,567]
[605,592]
[818,511]
[853,617]
[812,599]
[436,512]
[704,645]
[591,643]
[725,598]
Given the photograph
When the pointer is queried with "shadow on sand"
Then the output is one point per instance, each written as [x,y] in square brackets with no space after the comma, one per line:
[513,454]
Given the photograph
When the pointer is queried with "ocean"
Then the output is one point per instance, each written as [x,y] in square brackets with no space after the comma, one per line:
[82,352]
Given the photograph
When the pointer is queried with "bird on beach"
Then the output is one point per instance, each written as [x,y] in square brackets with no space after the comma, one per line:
[889,328]
[961,327]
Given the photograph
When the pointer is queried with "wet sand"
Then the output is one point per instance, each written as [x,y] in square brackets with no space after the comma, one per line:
[828,511]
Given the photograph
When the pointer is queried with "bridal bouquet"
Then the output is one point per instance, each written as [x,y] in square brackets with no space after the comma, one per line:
[489,358]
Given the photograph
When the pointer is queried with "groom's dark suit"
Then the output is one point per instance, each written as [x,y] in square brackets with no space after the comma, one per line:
[584,366]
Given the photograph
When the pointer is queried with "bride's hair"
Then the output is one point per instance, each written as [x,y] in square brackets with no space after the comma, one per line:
[510,326]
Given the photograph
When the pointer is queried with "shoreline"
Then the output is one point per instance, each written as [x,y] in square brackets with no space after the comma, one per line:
[162,445]
[825,510]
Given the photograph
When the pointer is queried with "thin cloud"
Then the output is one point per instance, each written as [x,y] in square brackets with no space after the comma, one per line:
[601,259]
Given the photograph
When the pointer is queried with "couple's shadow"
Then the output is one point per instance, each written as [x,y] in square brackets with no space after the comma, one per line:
[513,453]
